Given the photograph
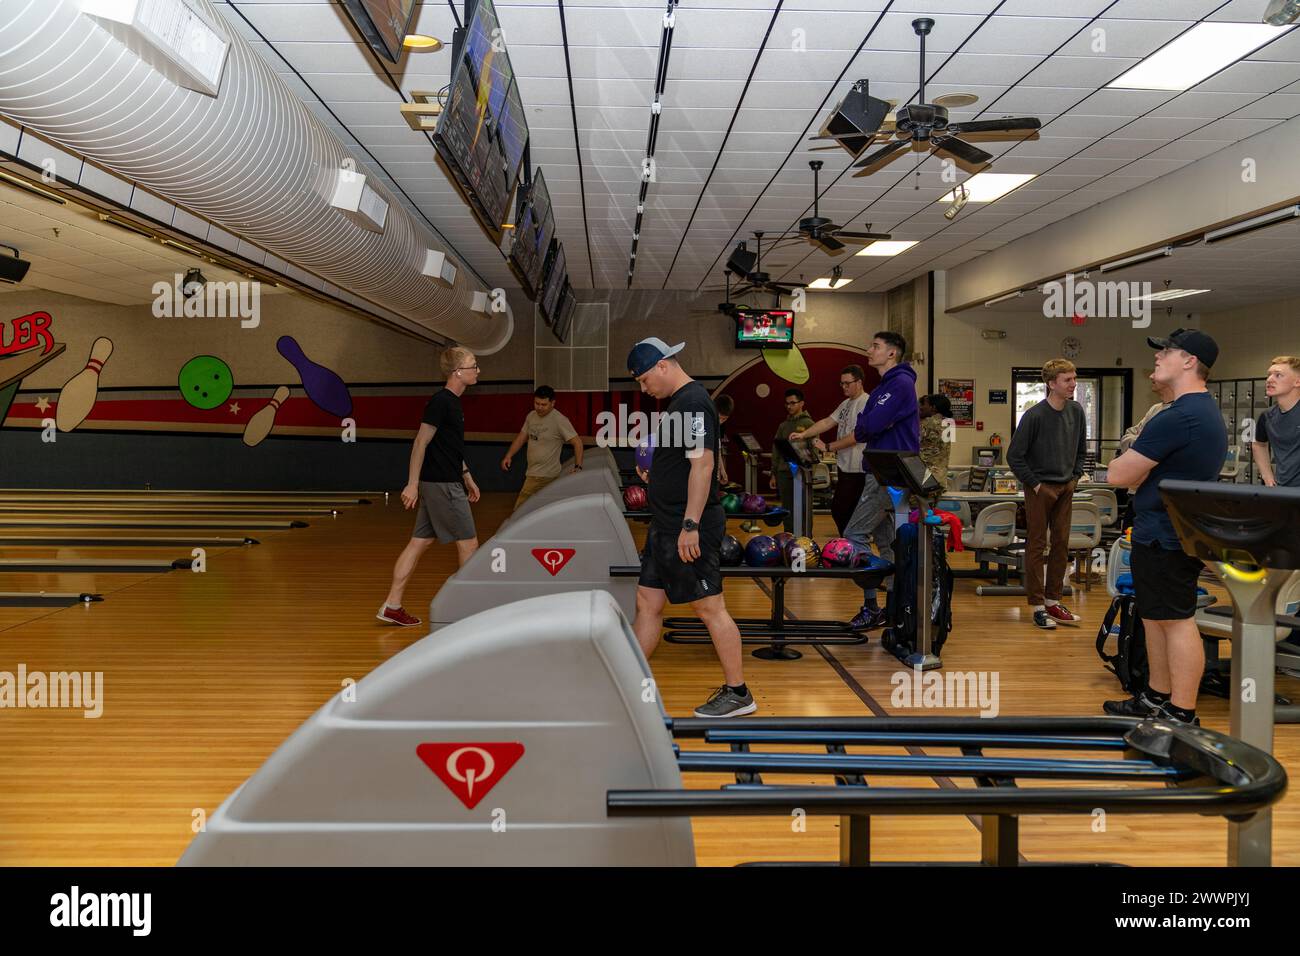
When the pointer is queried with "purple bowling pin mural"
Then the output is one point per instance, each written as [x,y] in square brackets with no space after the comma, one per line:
[323,387]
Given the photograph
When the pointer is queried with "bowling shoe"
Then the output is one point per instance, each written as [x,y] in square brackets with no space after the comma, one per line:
[725,702]
[397,615]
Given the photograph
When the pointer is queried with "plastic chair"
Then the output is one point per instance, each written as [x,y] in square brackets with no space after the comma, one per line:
[1107,504]
[1085,534]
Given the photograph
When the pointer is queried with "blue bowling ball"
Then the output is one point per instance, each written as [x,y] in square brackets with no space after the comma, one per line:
[762,551]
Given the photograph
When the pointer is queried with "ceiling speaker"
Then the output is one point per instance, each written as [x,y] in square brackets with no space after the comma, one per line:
[856,120]
[742,261]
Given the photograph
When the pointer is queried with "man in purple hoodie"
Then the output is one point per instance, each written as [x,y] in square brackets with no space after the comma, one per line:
[891,421]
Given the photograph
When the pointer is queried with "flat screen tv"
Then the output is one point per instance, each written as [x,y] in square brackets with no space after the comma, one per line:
[556,275]
[564,317]
[482,132]
[764,328]
[534,229]
[383,23]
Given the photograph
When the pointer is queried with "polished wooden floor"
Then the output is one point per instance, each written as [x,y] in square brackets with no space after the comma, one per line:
[205,674]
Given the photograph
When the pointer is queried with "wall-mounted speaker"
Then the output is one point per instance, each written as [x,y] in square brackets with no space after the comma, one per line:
[856,119]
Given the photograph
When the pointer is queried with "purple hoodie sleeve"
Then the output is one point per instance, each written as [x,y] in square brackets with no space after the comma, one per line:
[880,415]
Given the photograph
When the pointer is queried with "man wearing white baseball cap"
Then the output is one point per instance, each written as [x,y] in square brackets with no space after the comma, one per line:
[681,562]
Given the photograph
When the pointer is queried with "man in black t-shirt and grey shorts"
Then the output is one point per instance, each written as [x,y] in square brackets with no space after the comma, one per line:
[681,562]
[438,486]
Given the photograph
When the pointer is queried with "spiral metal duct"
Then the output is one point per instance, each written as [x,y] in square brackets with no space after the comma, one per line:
[253,159]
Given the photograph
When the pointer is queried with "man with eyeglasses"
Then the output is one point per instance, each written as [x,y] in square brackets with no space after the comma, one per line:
[796,419]
[681,561]
[439,485]
[848,453]
[1187,440]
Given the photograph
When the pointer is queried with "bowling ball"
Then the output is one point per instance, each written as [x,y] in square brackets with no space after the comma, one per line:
[634,498]
[731,504]
[839,553]
[205,381]
[732,553]
[754,504]
[783,540]
[645,453]
[761,552]
[811,553]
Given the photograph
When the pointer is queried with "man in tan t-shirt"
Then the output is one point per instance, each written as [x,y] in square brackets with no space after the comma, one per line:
[546,430]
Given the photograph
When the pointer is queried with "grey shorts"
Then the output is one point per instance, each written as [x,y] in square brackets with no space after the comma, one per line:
[443,512]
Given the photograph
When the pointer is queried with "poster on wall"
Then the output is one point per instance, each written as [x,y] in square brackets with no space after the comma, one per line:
[961,393]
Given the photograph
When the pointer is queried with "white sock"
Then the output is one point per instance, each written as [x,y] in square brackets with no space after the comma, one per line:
[1053,603]
[394,607]
[1039,607]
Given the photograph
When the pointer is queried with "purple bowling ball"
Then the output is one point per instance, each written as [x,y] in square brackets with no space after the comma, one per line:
[754,505]
[645,452]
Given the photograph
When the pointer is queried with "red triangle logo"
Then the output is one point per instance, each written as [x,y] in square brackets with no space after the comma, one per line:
[470,771]
[553,559]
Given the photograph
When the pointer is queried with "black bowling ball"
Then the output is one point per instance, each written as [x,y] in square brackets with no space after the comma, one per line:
[733,554]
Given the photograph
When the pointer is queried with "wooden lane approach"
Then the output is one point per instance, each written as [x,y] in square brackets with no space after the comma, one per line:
[353,497]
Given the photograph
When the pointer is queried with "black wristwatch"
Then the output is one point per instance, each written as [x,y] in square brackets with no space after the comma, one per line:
[690,525]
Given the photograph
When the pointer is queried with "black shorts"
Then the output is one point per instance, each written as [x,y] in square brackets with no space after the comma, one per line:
[1164,582]
[664,570]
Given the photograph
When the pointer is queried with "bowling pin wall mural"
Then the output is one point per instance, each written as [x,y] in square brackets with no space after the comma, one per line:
[77,397]
[324,387]
[260,425]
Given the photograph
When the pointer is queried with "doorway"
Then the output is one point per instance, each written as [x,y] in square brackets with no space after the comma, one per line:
[1104,394]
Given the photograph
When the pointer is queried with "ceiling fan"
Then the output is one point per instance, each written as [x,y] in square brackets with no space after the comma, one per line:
[923,127]
[821,232]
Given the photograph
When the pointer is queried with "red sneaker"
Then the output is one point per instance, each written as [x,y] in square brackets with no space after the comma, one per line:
[1059,612]
[397,615]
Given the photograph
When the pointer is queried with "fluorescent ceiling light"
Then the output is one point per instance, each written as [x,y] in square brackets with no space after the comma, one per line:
[986,187]
[826,284]
[1004,298]
[35,190]
[1137,259]
[888,247]
[1202,51]
[1250,225]
[418,41]
[1166,295]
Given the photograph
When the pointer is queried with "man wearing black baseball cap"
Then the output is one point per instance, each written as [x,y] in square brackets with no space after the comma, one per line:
[681,561]
[1187,440]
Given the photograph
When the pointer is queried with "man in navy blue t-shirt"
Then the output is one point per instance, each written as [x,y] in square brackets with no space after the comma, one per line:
[1187,440]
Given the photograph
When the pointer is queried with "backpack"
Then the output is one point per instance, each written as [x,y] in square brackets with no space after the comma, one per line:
[1129,662]
[901,637]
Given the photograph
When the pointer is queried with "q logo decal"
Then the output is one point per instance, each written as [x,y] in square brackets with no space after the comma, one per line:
[553,559]
[470,770]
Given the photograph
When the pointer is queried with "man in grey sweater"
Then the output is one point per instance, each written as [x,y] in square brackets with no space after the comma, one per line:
[1046,454]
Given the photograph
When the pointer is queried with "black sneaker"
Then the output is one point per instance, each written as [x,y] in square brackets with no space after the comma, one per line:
[1137,706]
[868,619]
[1167,714]
[725,702]
[1044,620]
